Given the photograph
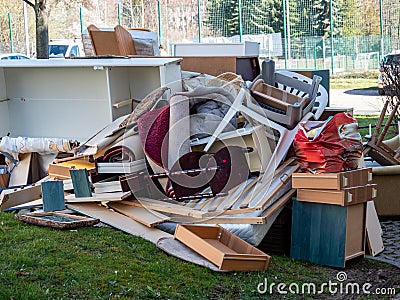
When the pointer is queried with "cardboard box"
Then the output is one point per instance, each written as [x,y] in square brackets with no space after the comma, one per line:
[345,197]
[332,181]
[222,248]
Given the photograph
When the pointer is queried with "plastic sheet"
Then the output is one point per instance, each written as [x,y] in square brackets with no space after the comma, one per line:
[39,145]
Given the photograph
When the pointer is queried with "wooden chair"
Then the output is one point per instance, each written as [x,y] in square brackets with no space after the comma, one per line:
[118,42]
[375,147]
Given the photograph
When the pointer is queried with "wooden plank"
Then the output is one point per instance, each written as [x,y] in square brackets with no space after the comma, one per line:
[231,219]
[142,215]
[171,208]
[80,181]
[98,197]
[14,197]
[53,196]
[355,230]
[236,195]
[374,231]
[119,221]
[279,204]
[61,170]
[20,174]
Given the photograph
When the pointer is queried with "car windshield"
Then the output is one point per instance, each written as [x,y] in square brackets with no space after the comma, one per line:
[57,50]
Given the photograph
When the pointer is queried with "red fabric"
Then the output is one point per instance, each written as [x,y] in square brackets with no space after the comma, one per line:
[337,148]
[153,129]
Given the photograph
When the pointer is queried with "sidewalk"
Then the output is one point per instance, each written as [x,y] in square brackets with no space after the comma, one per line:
[364,102]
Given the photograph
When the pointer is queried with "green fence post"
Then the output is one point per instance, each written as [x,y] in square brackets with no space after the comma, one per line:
[199,19]
[159,22]
[381,27]
[315,55]
[240,20]
[119,13]
[285,32]
[11,32]
[331,30]
[81,18]
[306,42]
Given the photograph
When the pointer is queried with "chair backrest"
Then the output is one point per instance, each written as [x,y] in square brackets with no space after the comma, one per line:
[103,42]
[117,42]
[302,86]
[125,41]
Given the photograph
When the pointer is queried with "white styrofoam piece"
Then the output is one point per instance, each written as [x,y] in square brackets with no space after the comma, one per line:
[124,168]
[217,49]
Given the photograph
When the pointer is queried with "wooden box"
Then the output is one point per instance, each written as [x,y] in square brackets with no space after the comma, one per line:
[332,181]
[344,197]
[222,248]
[327,234]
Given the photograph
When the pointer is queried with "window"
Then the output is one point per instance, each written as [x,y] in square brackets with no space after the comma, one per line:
[74,51]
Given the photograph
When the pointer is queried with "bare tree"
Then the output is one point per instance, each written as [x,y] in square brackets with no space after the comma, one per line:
[42,29]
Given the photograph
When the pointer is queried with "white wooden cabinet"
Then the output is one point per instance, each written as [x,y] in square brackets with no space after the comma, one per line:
[74,98]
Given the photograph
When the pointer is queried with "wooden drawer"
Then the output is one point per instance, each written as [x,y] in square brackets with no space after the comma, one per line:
[332,181]
[345,197]
[222,248]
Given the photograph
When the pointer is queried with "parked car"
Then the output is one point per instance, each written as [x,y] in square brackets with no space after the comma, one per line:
[393,58]
[8,56]
[65,48]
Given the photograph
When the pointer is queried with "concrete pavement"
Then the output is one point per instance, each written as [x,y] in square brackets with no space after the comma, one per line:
[364,102]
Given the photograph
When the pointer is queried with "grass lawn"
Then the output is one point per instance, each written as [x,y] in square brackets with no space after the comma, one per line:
[364,80]
[103,263]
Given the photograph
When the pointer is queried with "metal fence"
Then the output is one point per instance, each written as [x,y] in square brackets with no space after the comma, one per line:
[340,35]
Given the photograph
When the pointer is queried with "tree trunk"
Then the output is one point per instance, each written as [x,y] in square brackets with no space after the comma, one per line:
[42,33]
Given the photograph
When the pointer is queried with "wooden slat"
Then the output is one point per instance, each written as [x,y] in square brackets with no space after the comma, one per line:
[278,204]
[119,221]
[169,208]
[374,231]
[11,198]
[142,215]
[278,182]
[98,197]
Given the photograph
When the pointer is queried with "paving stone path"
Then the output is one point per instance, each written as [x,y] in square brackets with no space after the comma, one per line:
[391,242]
